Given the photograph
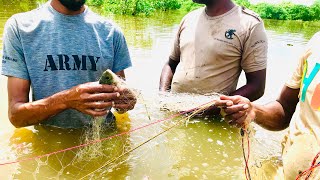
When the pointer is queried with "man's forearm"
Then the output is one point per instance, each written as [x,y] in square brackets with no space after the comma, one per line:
[166,78]
[271,116]
[167,73]
[25,114]
[254,87]
[249,91]
[277,115]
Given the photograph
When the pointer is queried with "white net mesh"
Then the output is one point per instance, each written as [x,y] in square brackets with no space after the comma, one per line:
[136,147]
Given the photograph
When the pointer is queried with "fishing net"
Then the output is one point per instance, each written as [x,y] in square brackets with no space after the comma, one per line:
[98,125]
[153,141]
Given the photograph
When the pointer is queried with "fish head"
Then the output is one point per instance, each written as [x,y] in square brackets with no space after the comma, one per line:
[107,78]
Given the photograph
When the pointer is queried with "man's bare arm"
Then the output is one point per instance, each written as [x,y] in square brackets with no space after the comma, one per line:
[254,87]
[277,115]
[84,98]
[273,116]
[167,73]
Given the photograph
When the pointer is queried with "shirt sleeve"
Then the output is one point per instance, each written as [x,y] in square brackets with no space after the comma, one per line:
[255,50]
[122,58]
[13,61]
[175,51]
[295,81]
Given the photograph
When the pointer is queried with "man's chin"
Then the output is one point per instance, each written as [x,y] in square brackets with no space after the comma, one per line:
[206,2]
[73,5]
[75,8]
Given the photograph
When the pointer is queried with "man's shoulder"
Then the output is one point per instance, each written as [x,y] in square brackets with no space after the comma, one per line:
[250,15]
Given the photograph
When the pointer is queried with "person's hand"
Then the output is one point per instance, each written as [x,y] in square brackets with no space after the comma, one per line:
[236,110]
[126,101]
[91,98]
[212,111]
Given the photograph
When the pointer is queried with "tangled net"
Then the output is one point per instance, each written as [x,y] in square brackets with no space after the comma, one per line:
[134,144]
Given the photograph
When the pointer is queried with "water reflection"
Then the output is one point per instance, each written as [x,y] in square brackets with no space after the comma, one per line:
[305,30]
[205,148]
[141,31]
[37,150]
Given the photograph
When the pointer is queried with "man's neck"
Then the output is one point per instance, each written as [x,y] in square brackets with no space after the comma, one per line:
[63,10]
[219,7]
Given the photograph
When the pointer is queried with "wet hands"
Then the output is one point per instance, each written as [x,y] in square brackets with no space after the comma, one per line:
[236,110]
[212,111]
[92,98]
[126,101]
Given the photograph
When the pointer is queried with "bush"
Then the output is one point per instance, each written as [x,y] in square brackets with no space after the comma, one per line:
[315,11]
[269,11]
[95,2]
[138,7]
[167,4]
[282,11]
[244,3]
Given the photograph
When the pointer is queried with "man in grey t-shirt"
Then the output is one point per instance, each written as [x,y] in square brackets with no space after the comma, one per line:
[60,50]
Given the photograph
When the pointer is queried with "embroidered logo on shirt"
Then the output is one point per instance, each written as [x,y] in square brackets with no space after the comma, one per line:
[229,33]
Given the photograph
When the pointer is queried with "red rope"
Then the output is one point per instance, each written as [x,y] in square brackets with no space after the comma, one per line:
[100,140]
[246,159]
[310,170]
[315,159]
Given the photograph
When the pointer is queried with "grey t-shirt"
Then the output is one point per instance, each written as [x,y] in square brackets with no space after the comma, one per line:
[56,52]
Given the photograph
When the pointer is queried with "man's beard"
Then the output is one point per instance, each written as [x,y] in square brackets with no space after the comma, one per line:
[206,2]
[73,5]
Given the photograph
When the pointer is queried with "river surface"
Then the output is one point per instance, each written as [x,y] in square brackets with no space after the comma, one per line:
[203,149]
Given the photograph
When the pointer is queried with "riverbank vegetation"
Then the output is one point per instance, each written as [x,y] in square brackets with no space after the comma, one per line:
[282,11]
[285,10]
[142,7]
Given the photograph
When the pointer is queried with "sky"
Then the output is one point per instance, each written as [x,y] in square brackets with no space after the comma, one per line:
[305,2]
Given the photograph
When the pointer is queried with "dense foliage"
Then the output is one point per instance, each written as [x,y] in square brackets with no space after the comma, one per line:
[142,7]
[136,7]
[282,11]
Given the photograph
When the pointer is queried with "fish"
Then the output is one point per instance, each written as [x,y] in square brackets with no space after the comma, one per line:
[110,78]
